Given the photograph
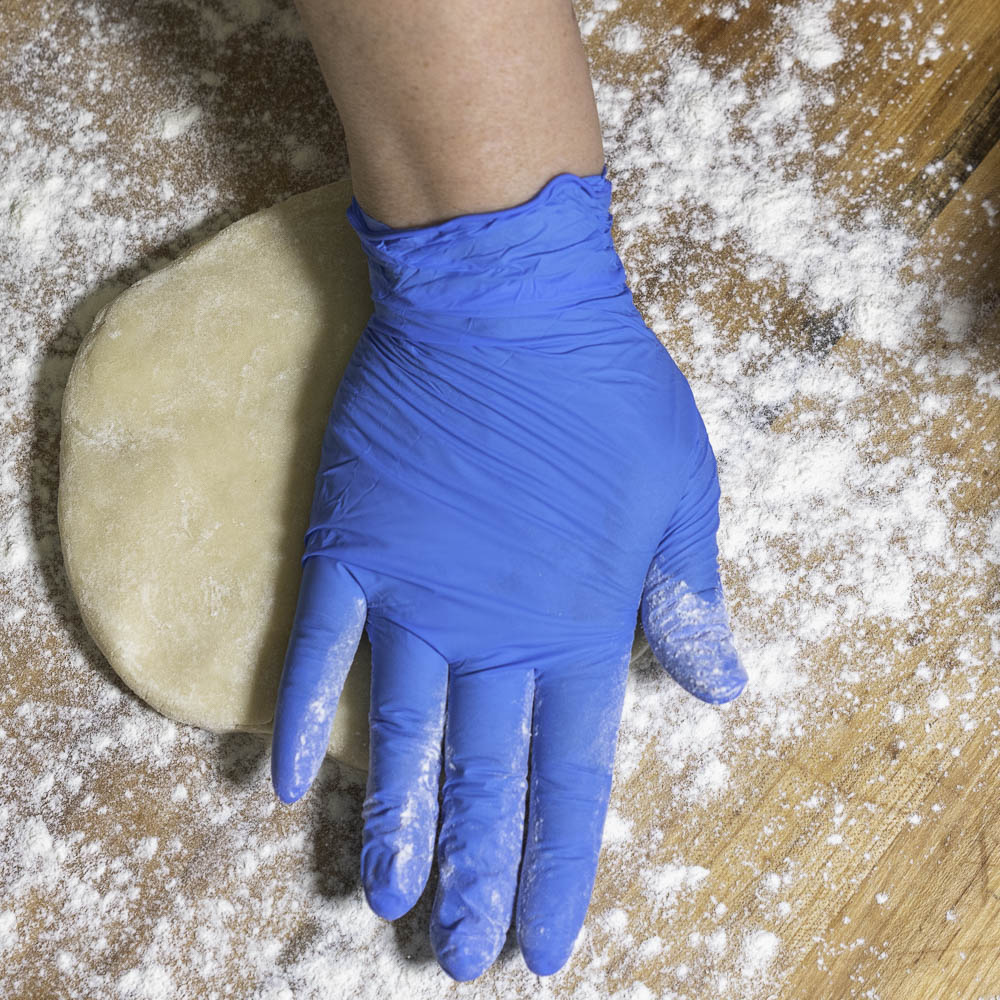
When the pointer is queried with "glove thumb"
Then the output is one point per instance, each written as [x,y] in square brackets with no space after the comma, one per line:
[683,608]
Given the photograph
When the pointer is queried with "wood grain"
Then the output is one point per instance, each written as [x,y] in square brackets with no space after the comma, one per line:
[919,137]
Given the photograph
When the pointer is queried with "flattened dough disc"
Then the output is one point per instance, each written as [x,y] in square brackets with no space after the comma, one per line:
[191,433]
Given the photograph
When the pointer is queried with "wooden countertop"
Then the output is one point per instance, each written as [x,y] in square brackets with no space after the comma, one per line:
[852,849]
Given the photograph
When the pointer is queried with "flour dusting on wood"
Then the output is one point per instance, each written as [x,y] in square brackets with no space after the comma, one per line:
[838,529]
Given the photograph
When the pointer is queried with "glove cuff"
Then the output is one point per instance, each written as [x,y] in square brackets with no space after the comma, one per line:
[502,276]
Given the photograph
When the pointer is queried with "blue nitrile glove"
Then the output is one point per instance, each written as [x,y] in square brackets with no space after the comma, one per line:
[512,463]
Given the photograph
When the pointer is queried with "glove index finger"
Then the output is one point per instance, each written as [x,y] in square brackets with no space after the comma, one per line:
[577,711]
[329,619]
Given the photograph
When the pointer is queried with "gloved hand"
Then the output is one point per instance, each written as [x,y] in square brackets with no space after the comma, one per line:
[512,466]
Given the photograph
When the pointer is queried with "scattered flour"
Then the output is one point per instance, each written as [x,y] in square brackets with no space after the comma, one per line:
[626,38]
[814,43]
[829,530]
[176,123]
[932,49]
[759,949]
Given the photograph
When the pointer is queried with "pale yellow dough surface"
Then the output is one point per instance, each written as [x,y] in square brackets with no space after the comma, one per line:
[191,434]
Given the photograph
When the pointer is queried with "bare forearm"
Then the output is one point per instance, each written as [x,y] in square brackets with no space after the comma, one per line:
[450,108]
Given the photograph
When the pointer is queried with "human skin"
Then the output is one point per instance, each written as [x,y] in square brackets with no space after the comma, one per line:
[459,107]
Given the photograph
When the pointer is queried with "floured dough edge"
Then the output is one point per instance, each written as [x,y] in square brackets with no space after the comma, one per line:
[349,740]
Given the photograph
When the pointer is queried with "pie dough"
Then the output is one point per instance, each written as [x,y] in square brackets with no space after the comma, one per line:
[191,432]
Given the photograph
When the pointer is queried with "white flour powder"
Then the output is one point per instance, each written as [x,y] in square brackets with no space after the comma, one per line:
[831,529]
